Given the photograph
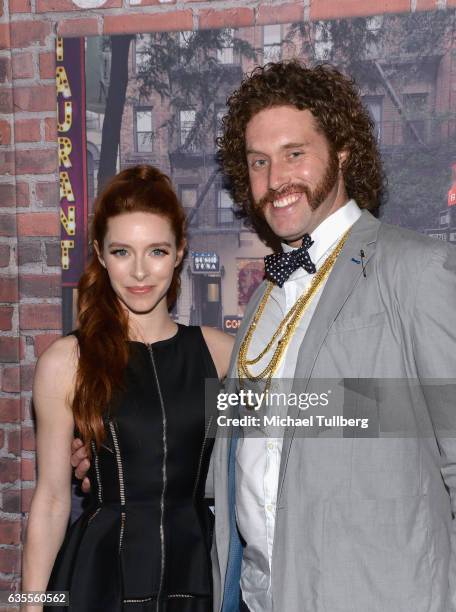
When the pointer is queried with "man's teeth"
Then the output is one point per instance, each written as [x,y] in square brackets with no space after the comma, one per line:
[282,202]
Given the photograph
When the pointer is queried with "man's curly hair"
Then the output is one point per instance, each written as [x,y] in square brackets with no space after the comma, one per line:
[333,100]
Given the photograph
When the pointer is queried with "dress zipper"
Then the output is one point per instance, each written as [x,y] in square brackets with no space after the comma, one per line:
[123,514]
[164,475]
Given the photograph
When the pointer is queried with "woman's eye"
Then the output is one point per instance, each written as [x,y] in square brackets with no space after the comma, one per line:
[158,252]
[119,252]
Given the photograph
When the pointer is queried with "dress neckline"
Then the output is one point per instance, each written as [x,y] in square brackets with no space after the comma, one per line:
[164,342]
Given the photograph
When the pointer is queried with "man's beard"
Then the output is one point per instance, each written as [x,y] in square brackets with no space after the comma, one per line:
[315,198]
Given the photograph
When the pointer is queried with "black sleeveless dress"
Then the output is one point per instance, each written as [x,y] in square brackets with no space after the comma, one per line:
[144,543]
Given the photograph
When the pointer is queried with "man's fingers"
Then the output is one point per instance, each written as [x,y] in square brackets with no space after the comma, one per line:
[79,456]
[76,444]
[86,485]
[81,469]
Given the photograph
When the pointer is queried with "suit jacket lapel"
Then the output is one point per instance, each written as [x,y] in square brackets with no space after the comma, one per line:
[338,288]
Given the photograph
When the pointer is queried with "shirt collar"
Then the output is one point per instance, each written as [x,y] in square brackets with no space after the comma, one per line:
[329,232]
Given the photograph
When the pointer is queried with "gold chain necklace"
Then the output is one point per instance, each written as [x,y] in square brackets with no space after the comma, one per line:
[286,327]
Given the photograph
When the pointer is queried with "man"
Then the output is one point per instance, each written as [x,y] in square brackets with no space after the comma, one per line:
[311,520]
[317,521]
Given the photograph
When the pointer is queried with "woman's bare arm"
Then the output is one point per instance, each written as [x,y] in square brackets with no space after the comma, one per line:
[51,504]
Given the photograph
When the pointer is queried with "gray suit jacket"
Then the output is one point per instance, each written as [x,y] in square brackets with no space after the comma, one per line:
[365,524]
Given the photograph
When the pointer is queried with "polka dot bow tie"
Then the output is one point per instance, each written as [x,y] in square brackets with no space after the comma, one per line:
[279,266]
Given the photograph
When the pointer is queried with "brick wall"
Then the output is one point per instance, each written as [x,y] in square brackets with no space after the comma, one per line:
[29,222]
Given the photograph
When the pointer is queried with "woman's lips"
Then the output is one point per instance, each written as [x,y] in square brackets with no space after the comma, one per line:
[139,290]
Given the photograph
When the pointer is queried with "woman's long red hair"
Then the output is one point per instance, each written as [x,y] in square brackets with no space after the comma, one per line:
[103,322]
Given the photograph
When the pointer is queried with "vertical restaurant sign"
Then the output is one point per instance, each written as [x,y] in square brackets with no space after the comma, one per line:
[71,133]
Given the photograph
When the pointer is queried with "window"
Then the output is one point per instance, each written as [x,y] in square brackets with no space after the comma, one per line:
[445,218]
[188,196]
[184,38]
[225,54]
[143,130]
[415,106]
[224,207]
[142,44]
[374,105]
[323,41]
[106,68]
[221,112]
[187,122]
[374,23]
[187,48]
[272,41]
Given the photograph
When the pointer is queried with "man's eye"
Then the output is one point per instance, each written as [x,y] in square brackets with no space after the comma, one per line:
[119,252]
[295,154]
[258,163]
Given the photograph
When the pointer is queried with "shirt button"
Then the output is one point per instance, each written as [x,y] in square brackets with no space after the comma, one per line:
[269,508]
[271,446]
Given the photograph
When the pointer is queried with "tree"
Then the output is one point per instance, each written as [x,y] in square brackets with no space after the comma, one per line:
[184,69]
[385,54]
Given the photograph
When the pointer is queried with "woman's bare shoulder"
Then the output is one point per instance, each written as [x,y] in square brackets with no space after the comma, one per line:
[56,368]
[63,351]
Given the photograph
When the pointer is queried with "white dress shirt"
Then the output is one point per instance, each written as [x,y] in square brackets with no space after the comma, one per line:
[258,457]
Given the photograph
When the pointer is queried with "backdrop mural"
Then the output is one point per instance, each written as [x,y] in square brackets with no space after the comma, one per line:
[159,98]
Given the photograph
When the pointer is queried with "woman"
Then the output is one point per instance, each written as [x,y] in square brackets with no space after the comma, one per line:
[132,383]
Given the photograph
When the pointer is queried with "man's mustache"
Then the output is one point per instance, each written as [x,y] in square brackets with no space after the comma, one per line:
[273,194]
